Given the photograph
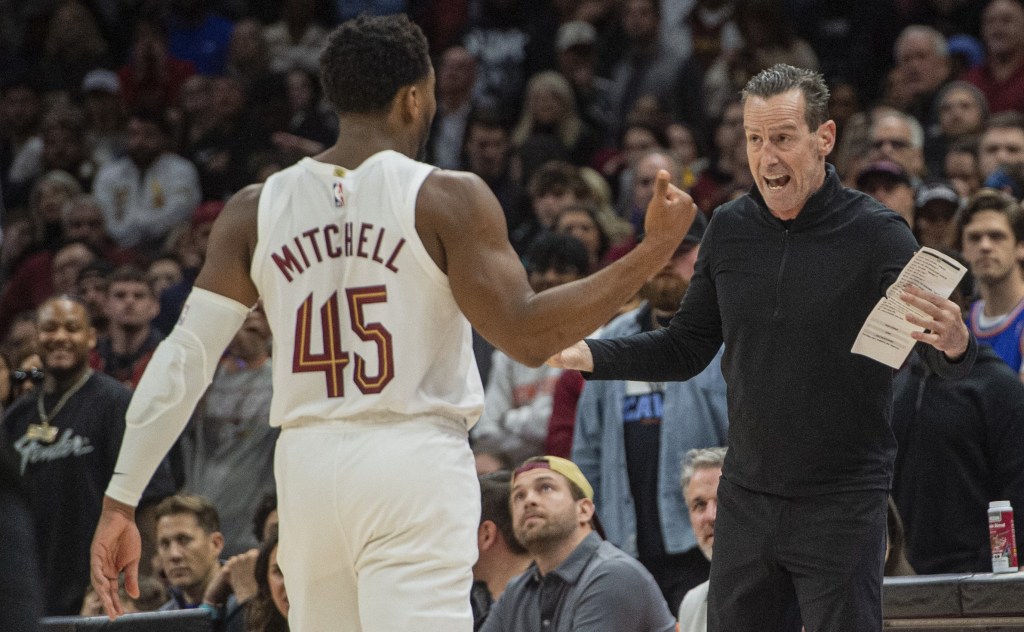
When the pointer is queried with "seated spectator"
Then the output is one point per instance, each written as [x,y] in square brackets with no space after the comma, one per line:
[587,582]
[189,544]
[727,165]
[74,45]
[1001,146]
[576,47]
[295,41]
[961,166]
[105,115]
[898,137]
[92,285]
[131,339]
[962,113]
[553,186]
[935,215]
[889,183]
[151,190]
[310,126]
[550,108]
[517,398]
[701,470]
[67,437]
[581,221]
[60,146]
[456,74]
[501,557]
[49,195]
[1001,75]
[685,147]
[164,272]
[487,152]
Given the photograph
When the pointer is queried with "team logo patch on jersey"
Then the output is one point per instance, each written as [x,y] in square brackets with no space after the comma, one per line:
[339,195]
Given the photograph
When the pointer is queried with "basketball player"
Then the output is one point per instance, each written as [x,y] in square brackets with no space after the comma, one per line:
[366,261]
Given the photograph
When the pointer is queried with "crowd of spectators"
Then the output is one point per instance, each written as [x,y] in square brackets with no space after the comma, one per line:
[125,126]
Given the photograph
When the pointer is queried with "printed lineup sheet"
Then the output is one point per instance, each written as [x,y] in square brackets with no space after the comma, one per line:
[885,335]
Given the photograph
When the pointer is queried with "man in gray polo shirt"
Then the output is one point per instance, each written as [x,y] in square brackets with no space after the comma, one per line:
[577,582]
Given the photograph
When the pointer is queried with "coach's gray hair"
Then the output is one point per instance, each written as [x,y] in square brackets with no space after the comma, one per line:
[700,459]
[782,78]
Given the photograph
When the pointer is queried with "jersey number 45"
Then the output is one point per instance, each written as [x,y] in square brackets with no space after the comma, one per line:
[333,359]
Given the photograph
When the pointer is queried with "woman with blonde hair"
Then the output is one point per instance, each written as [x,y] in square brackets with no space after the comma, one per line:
[550,108]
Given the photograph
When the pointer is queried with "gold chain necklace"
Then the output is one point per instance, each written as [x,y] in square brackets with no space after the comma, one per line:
[43,431]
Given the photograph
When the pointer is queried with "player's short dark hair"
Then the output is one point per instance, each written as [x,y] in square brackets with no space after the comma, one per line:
[495,489]
[781,78]
[367,60]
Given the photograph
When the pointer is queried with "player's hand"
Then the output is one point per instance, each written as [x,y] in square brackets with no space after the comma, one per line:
[116,547]
[944,326]
[576,357]
[669,213]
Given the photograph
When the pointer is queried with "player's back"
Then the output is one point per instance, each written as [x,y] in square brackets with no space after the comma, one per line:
[364,321]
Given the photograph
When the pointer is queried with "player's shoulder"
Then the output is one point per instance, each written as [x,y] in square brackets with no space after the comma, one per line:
[458,196]
[243,205]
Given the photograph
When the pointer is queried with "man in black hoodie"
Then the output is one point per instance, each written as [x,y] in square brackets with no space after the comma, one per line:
[786,276]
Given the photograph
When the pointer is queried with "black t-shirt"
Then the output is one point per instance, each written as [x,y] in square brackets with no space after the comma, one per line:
[641,414]
[66,480]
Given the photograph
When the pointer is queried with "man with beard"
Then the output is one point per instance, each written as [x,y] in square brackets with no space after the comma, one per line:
[67,440]
[372,266]
[576,580]
[631,436]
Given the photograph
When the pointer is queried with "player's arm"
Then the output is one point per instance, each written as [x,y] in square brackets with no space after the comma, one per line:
[490,285]
[176,377]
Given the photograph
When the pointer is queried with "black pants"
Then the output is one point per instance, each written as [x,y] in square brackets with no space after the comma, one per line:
[825,553]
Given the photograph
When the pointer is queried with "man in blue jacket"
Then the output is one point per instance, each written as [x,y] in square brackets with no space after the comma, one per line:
[631,436]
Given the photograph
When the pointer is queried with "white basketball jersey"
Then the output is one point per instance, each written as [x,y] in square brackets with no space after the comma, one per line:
[364,322]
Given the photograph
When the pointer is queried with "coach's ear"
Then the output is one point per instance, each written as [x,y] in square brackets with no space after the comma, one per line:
[826,137]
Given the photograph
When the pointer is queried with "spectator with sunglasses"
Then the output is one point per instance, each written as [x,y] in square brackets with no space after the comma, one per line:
[898,137]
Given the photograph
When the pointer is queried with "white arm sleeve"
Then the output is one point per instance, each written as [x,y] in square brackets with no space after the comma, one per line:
[176,377]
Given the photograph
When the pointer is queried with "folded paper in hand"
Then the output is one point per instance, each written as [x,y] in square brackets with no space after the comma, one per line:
[885,335]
